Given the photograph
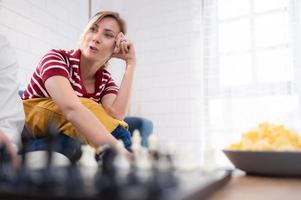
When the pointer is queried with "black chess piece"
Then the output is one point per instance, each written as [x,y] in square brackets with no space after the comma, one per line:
[74,180]
[50,180]
[8,175]
[5,158]
[172,180]
[25,137]
[24,182]
[134,188]
[106,183]
[163,182]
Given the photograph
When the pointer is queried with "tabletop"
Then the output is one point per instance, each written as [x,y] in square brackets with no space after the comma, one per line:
[245,187]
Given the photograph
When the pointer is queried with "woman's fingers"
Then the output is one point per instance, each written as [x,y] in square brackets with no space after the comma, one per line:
[121,44]
[124,49]
[116,49]
[124,46]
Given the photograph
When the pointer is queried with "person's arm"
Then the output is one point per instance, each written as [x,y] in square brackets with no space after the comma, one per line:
[11,107]
[83,120]
[117,105]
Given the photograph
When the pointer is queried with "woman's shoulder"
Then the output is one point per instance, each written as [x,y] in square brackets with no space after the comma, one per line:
[73,53]
[55,52]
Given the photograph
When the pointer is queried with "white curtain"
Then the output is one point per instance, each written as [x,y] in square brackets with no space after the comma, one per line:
[251,68]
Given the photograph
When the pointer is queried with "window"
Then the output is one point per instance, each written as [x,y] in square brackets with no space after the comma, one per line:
[250,68]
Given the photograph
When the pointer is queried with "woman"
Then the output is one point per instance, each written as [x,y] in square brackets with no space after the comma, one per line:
[74,88]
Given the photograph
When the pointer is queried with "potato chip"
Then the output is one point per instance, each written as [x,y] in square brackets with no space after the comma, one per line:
[269,137]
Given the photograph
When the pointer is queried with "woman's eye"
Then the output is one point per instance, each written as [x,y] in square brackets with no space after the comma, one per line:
[93,29]
[109,35]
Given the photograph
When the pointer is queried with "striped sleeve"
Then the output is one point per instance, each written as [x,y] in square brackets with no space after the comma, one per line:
[110,87]
[53,64]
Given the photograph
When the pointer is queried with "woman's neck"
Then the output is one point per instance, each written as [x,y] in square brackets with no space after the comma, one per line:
[88,68]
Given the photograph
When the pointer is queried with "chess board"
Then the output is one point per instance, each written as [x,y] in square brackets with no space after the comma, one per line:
[58,183]
[151,175]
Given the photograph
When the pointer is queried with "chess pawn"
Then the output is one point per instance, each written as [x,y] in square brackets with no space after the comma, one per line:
[165,170]
[87,159]
[136,139]
[137,148]
[143,165]
[165,162]
[170,154]
[136,145]
[135,186]
[121,162]
[209,165]
[153,147]
[187,160]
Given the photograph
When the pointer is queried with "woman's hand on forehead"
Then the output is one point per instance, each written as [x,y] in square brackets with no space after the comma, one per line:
[120,37]
[121,44]
[124,49]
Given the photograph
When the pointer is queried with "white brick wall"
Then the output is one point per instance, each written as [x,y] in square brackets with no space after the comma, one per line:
[167,37]
[167,89]
[35,26]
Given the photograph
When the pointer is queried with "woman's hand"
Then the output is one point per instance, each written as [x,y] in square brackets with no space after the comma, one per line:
[124,50]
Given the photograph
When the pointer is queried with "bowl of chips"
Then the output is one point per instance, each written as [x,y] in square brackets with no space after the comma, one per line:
[268,150]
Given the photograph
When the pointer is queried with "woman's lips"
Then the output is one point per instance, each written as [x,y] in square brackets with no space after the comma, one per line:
[93,49]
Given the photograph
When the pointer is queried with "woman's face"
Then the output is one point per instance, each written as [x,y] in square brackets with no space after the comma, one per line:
[99,41]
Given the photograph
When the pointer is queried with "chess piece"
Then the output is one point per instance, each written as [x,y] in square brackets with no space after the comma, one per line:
[8,175]
[163,179]
[87,159]
[74,181]
[170,154]
[187,160]
[136,139]
[123,183]
[4,155]
[23,183]
[121,163]
[135,185]
[142,163]
[153,147]
[106,183]
[50,182]
[209,164]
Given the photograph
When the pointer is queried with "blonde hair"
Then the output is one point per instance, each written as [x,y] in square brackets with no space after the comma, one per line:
[98,17]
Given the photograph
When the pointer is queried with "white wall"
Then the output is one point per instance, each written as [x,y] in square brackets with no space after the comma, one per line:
[167,36]
[167,89]
[35,26]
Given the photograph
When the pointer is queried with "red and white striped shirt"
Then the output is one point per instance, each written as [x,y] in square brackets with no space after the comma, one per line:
[67,64]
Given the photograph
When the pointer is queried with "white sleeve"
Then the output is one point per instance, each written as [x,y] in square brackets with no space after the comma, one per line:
[11,107]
